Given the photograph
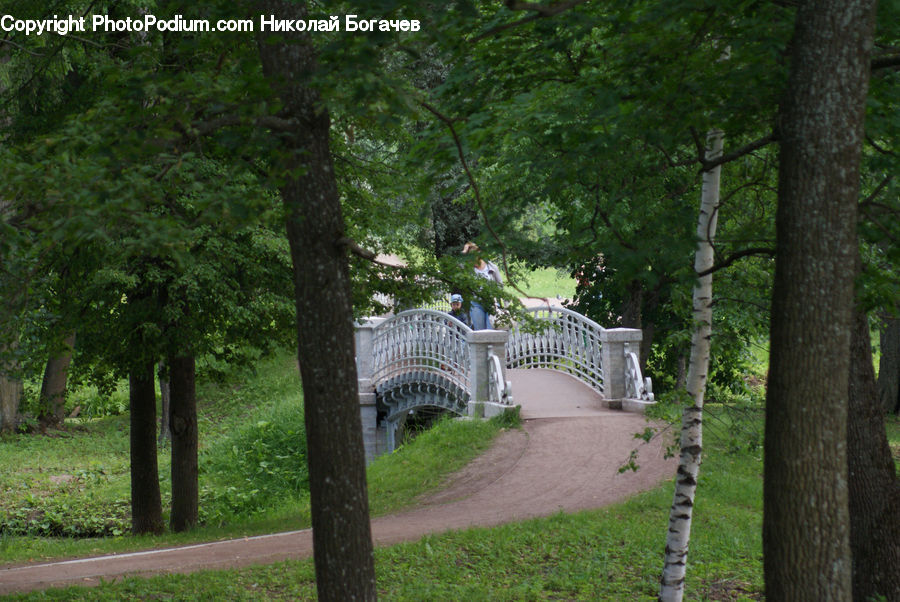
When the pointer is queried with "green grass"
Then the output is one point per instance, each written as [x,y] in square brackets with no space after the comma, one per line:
[260,415]
[548,282]
[395,481]
[615,553]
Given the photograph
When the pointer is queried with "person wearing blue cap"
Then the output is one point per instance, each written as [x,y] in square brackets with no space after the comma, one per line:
[456,310]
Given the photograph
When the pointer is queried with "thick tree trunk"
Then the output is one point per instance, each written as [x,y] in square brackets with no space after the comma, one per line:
[873,484]
[165,413]
[806,531]
[889,366]
[53,387]
[146,504]
[183,425]
[11,386]
[681,513]
[342,540]
[11,392]
[632,316]
[633,304]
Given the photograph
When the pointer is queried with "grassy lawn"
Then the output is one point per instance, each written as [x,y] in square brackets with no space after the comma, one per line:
[614,553]
[548,282]
[78,479]
[610,554]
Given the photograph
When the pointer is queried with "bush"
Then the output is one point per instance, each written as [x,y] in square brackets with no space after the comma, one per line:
[67,516]
[258,466]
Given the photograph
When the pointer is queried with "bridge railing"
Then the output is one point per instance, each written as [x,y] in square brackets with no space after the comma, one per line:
[570,343]
[420,340]
[428,346]
[574,344]
[499,389]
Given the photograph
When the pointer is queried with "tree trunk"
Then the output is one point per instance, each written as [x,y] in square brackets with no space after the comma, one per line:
[146,504]
[11,392]
[631,307]
[342,540]
[889,366]
[806,531]
[183,424]
[873,484]
[681,513]
[165,413]
[11,387]
[53,388]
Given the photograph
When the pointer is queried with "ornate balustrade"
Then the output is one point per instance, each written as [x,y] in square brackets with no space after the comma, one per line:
[636,387]
[421,340]
[569,343]
[426,358]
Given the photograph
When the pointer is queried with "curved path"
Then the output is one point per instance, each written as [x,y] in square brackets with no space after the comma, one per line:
[564,459]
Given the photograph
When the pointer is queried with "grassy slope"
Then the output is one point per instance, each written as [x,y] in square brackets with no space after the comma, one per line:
[95,456]
[609,554]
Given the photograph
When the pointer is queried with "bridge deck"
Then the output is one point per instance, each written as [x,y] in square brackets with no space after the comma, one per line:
[551,394]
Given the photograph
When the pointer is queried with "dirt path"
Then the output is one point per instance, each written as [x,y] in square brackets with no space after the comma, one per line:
[552,464]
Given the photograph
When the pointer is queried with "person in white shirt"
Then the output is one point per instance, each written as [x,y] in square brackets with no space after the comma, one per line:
[481,319]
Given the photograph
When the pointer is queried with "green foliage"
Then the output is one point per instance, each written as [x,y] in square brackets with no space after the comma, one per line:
[260,465]
[67,516]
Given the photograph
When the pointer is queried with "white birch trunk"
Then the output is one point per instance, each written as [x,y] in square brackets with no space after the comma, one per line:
[679,534]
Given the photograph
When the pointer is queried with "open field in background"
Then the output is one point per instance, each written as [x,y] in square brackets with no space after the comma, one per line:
[548,282]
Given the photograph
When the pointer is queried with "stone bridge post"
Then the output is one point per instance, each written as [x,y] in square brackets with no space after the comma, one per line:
[365,368]
[479,343]
[614,344]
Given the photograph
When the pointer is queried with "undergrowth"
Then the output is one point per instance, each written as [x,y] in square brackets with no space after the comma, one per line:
[67,492]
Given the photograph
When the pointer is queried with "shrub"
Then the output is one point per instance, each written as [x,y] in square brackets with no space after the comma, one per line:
[261,464]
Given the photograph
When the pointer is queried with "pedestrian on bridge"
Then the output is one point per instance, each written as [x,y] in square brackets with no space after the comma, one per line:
[481,319]
[456,309]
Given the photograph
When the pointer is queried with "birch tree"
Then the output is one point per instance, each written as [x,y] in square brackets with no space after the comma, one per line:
[680,516]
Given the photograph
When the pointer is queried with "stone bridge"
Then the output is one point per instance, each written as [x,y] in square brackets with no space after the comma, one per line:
[423,359]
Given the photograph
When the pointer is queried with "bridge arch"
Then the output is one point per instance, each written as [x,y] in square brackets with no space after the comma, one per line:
[421,359]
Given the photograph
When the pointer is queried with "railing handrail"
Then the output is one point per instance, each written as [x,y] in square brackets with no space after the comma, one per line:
[499,389]
[563,311]
[571,343]
[421,339]
[422,311]
[636,386]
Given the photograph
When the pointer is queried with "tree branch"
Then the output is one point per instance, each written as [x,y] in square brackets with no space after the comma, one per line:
[540,11]
[462,159]
[869,199]
[737,154]
[886,62]
[880,149]
[735,256]
[349,243]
